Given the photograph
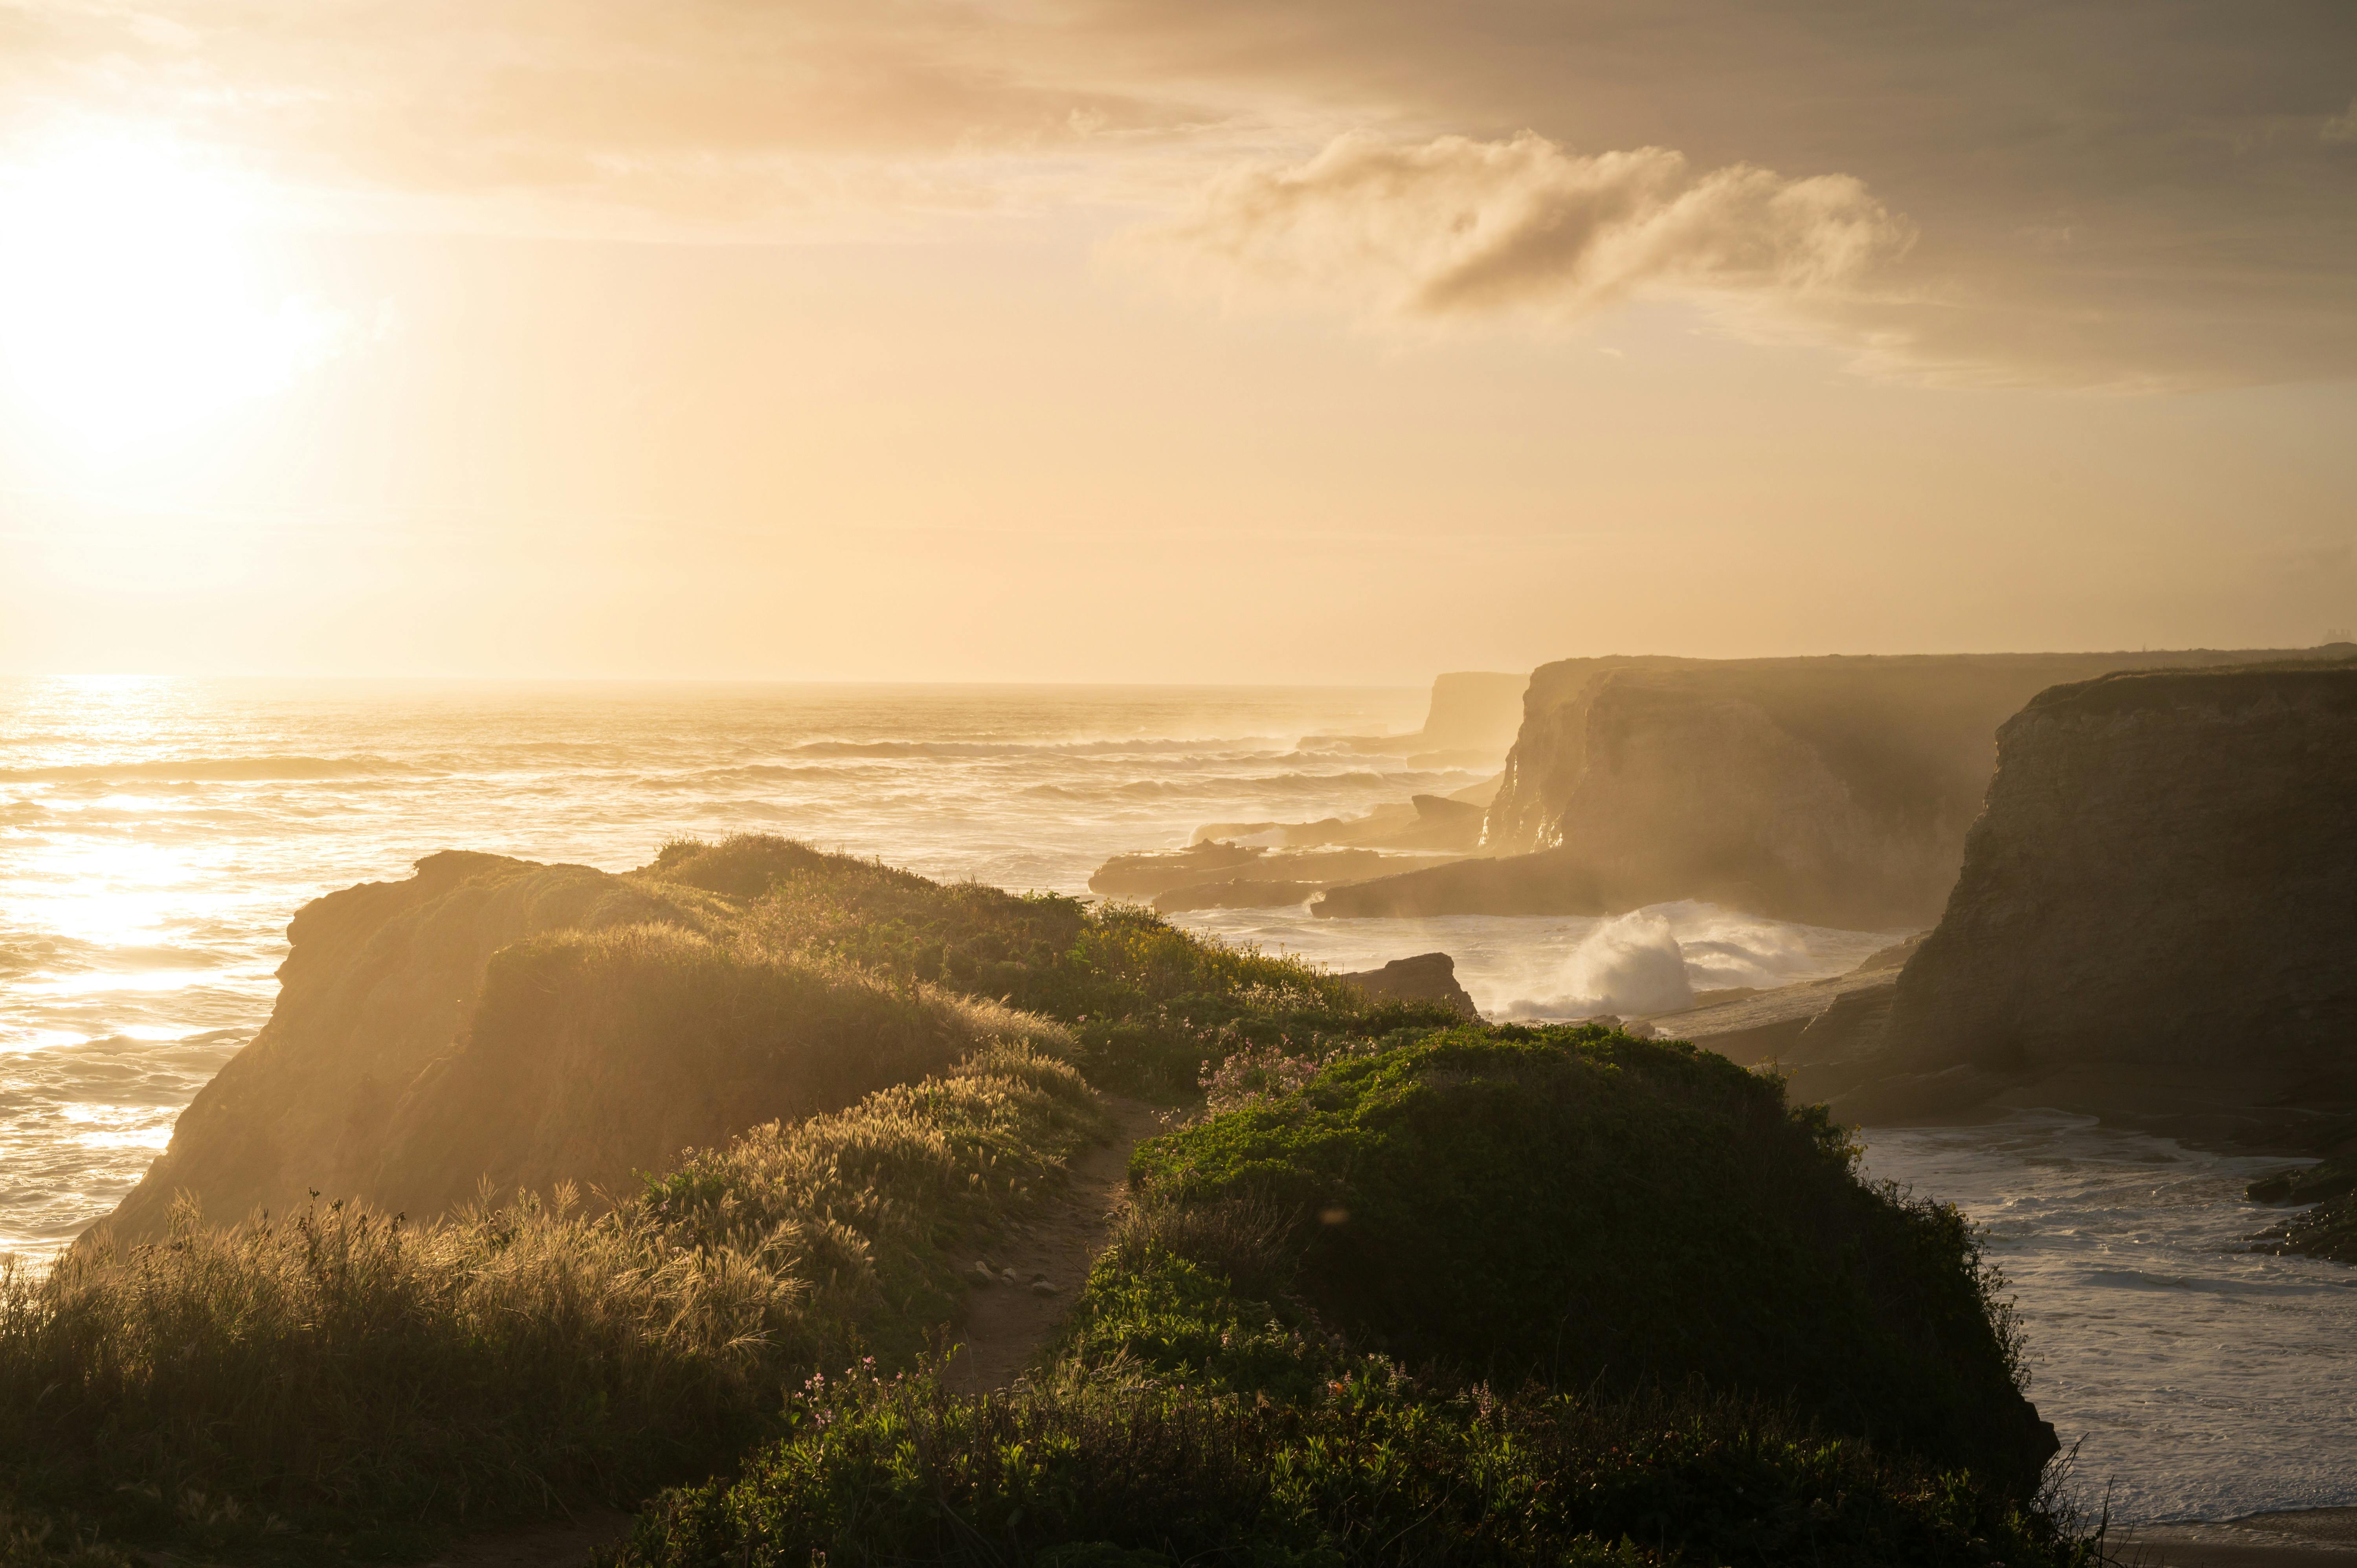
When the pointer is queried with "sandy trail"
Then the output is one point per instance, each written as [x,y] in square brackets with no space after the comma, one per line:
[1006,1326]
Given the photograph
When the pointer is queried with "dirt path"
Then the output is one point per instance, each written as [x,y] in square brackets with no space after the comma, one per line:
[1007,1325]
[1005,1329]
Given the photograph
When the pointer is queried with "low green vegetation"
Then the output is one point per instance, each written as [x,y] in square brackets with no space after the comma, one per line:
[1631,1310]
[1581,1208]
[1376,1468]
[1397,1289]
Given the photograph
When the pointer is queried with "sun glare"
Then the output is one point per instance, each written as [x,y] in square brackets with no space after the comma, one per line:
[131,303]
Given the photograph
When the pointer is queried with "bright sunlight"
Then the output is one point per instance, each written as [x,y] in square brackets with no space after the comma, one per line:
[131,301]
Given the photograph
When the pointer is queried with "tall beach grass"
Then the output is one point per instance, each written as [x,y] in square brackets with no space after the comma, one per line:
[340,1370]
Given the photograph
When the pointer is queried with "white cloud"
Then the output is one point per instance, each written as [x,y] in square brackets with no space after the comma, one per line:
[1457,228]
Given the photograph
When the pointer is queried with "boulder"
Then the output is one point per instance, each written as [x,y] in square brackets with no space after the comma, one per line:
[1427,977]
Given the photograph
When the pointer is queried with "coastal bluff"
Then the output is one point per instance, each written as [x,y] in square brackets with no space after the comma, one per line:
[1471,712]
[2154,915]
[497,1021]
[1833,791]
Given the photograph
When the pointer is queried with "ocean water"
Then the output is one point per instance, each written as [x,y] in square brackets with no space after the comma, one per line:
[157,836]
[2199,1379]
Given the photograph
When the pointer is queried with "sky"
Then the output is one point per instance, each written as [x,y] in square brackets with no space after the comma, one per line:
[1140,341]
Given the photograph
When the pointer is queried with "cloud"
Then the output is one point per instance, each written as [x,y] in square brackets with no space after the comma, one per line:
[1455,229]
[2101,192]
[693,112]
[2185,150]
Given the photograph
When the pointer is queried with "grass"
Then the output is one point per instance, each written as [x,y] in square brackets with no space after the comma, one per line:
[592,1055]
[1718,1346]
[339,1380]
[1715,1344]
[1190,1419]
[1148,1004]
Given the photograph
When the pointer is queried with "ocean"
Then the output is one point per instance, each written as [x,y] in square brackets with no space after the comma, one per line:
[155,836]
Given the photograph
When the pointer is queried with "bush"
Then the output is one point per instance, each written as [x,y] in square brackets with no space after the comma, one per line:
[1585,1208]
[1372,1469]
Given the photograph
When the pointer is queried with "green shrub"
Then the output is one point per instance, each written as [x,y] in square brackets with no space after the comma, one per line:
[1372,1469]
[1164,1315]
[1586,1208]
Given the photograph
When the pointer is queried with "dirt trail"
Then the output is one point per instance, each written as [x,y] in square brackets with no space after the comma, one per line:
[1005,1325]
[1005,1329]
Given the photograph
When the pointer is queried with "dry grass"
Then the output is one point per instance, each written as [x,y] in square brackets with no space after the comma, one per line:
[338,1368]
[594,1055]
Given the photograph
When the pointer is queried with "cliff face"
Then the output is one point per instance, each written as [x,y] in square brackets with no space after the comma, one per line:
[382,979]
[2166,877]
[495,1019]
[1835,791]
[1474,711]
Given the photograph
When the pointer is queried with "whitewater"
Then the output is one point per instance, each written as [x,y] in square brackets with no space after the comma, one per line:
[157,836]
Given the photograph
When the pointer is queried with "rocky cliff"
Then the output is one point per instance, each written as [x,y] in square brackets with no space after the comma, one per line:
[497,1020]
[2159,893]
[1474,713]
[1835,791]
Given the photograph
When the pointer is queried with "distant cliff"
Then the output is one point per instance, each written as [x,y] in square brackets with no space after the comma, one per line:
[497,1020]
[1472,711]
[1835,791]
[2163,888]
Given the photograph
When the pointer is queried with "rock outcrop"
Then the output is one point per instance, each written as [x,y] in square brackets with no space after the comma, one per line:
[1228,876]
[1427,977]
[1835,791]
[1449,822]
[491,1019]
[1292,862]
[2155,906]
[1812,1022]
